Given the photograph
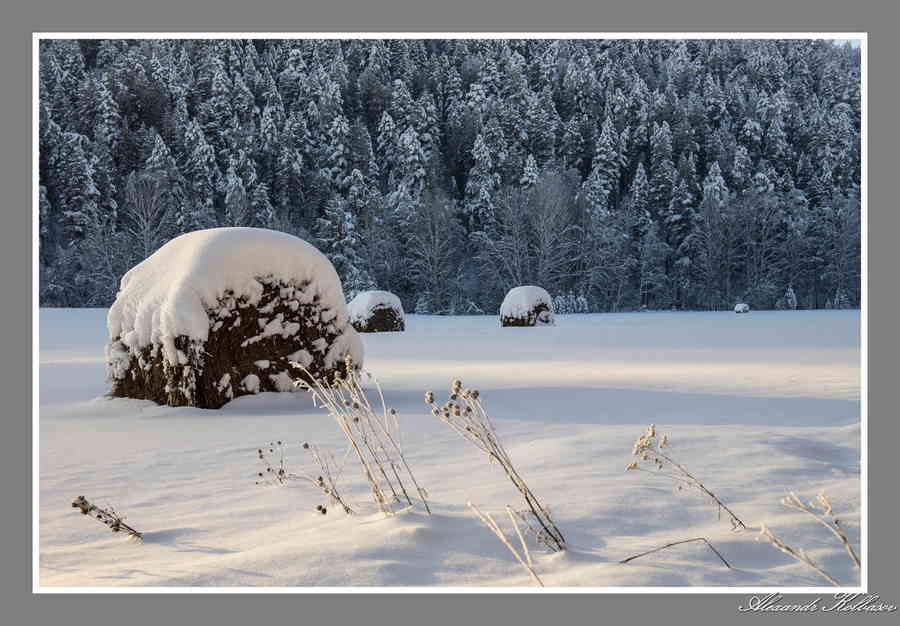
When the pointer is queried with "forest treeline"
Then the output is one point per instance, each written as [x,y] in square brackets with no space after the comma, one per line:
[616,174]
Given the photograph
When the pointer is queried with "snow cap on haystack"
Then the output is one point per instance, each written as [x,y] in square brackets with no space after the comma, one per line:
[275,288]
[741,307]
[527,305]
[376,311]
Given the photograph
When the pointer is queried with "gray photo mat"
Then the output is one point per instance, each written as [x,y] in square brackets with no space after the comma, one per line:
[879,19]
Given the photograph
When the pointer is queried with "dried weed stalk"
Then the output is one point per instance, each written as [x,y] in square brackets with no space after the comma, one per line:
[678,543]
[822,511]
[272,456]
[108,517]
[653,448]
[523,557]
[373,435]
[465,414]
[798,553]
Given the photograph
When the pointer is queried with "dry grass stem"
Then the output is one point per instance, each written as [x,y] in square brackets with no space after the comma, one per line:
[651,447]
[676,543]
[492,525]
[108,517]
[824,505]
[465,414]
[372,434]
[797,553]
[821,510]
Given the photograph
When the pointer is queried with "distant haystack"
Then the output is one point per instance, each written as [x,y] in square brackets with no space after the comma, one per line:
[376,312]
[220,313]
[527,306]
[741,308]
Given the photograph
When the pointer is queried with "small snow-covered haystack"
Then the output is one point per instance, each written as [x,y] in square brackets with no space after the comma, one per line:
[741,307]
[220,313]
[527,306]
[376,312]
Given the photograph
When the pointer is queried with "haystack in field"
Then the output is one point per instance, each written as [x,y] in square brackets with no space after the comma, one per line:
[527,306]
[220,313]
[376,312]
[741,307]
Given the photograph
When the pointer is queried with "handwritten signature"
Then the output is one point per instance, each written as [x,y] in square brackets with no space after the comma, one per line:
[839,603]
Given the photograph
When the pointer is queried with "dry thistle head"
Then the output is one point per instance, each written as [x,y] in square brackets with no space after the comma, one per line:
[429,397]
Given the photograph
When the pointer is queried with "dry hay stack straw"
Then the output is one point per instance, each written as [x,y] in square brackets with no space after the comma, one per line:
[211,373]
[529,319]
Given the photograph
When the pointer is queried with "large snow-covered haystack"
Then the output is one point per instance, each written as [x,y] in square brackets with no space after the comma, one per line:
[527,306]
[741,307]
[376,312]
[220,313]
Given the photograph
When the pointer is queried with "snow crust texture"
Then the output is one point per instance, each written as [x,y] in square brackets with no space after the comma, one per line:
[568,405]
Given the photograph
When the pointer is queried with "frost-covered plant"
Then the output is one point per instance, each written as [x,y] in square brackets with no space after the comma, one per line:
[653,448]
[798,553]
[108,517]
[275,472]
[464,413]
[523,557]
[822,511]
[372,434]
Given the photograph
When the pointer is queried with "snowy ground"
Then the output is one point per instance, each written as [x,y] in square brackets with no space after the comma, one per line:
[753,404]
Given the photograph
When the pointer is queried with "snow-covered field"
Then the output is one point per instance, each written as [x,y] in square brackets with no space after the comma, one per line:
[752,404]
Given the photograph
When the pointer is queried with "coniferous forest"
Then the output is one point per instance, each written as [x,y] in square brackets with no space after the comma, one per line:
[616,174]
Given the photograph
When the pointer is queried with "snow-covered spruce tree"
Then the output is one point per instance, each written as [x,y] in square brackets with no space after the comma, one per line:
[790,299]
[337,238]
[236,205]
[203,177]
[713,234]
[481,188]
[336,167]
[161,165]
[787,110]
[653,254]
[530,173]
[77,194]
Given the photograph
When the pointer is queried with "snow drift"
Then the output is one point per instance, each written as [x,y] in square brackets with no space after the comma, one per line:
[220,313]
[527,306]
[376,311]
